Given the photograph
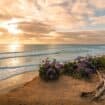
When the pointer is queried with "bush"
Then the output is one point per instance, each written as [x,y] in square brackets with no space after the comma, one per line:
[97,63]
[50,70]
[84,74]
[81,68]
[69,68]
[101,62]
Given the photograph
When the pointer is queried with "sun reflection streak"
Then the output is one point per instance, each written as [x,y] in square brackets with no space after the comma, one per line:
[14,47]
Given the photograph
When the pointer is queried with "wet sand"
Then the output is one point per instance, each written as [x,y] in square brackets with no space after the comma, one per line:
[65,91]
[16,81]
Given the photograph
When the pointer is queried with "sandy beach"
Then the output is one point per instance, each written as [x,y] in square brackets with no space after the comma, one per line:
[16,81]
[52,52]
[65,91]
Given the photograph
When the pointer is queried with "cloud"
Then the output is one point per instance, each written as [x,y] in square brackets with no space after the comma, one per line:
[99,4]
[34,27]
[98,20]
[60,14]
[85,37]
[81,7]
[55,21]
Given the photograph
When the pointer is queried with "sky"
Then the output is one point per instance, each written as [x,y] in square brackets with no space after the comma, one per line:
[52,21]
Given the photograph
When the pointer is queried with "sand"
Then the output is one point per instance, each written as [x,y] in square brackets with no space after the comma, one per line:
[65,91]
[16,81]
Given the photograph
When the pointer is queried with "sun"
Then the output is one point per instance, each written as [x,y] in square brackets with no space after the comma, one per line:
[11,26]
[13,29]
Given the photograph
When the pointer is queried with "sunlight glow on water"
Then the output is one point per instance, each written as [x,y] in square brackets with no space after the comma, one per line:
[14,47]
[12,61]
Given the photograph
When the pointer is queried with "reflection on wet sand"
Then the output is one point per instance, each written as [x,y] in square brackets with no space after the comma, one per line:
[16,81]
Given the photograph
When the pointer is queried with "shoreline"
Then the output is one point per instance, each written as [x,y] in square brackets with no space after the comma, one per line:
[23,72]
[13,82]
[28,88]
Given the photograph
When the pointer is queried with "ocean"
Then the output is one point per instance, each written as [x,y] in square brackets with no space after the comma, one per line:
[16,58]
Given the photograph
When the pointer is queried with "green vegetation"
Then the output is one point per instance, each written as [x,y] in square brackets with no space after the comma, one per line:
[81,68]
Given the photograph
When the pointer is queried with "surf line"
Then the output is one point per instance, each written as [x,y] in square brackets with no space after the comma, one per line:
[28,55]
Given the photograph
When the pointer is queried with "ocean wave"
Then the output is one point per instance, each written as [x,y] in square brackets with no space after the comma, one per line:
[7,55]
[22,66]
[7,72]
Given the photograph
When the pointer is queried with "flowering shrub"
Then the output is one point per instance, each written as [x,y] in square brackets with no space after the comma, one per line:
[77,72]
[100,62]
[96,63]
[84,67]
[81,68]
[50,70]
[70,68]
